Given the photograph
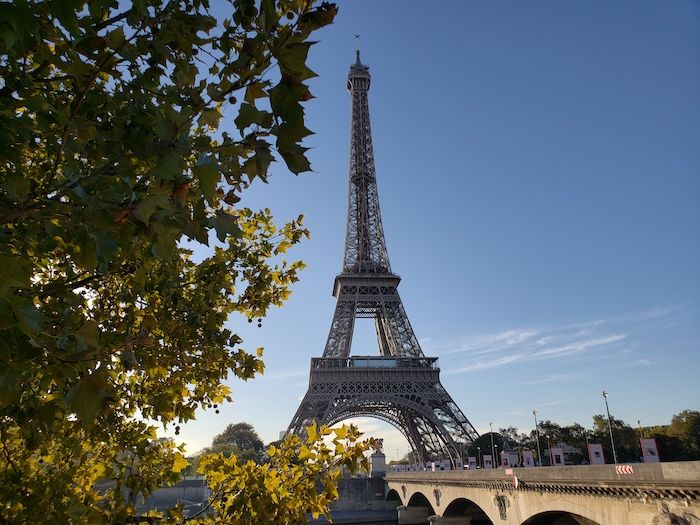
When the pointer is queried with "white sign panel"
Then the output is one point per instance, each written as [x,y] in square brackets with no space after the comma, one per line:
[488,462]
[528,458]
[557,457]
[595,454]
[650,452]
[504,459]
[472,462]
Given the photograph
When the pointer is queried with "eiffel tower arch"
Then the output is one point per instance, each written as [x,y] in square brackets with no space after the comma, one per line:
[400,385]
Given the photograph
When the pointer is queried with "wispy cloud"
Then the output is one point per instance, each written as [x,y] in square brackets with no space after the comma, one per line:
[554,378]
[520,345]
[488,343]
[578,346]
[552,403]
[532,350]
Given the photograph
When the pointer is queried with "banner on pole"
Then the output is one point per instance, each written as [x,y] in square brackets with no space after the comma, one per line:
[472,462]
[528,458]
[488,461]
[650,452]
[557,457]
[595,454]
[509,459]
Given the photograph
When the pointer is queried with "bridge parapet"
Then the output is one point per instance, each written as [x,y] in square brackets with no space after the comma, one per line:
[640,490]
[681,479]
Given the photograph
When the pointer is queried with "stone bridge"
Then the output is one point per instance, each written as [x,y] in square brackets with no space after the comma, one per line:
[638,494]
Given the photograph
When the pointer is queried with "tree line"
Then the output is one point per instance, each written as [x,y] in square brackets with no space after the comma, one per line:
[677,441]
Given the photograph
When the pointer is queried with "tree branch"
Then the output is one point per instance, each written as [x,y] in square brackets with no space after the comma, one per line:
[110,21]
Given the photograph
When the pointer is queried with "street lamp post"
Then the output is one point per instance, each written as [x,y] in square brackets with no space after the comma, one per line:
[478,454]
[537,434]
[493,452]
[612,440]
[496,460]
[641,431]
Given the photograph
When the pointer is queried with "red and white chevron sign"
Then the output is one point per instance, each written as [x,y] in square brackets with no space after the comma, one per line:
[624,469]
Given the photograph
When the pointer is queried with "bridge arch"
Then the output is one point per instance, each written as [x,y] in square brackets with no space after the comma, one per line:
[393,495]
[554,517]
[466,507]
[418,499]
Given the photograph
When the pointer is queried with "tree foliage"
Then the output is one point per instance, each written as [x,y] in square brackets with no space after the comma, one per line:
[113,163]
[676,442]
[301,476]
[243,435]
[240,439]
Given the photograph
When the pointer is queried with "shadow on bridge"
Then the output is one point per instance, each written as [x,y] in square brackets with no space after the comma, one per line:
[419,500]
[559,518]
[394,496]
[465,507]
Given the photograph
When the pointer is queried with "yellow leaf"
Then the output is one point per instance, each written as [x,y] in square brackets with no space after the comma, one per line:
[341,432]
[312,432]
[180,462]
[305,453]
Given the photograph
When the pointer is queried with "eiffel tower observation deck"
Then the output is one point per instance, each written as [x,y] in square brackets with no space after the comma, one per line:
[400,385]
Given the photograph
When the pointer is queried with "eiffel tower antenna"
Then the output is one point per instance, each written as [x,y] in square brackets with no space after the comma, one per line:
[400,385]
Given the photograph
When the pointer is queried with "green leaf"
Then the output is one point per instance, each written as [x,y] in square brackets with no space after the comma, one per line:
[14,272]
[225,225]
[295,159]
[65,12]
[147,206]
[292,59]
[255,91]
[168,166]
[87,335]
[115,38]
[87,398]
[207,172]
[210,117]
[249,115]
[28,316]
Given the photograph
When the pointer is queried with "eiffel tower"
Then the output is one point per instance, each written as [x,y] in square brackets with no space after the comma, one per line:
[400,386]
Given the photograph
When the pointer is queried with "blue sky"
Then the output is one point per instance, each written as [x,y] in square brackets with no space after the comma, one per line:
[539,177]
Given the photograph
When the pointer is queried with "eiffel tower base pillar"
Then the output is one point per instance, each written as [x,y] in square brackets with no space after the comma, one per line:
[412,515]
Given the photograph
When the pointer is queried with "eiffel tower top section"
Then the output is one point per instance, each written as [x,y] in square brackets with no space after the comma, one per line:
[365,247]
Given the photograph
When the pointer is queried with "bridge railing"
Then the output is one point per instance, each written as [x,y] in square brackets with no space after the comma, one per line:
[686,472]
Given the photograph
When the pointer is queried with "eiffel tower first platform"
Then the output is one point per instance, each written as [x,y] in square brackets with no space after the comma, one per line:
[400,385]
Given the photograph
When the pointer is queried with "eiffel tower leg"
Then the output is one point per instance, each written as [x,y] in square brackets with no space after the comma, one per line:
[414,438]
[398,330]
[342,327]
[308,412]
[382,339]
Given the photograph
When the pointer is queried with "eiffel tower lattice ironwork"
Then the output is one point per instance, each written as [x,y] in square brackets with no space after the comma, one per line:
[400,385]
